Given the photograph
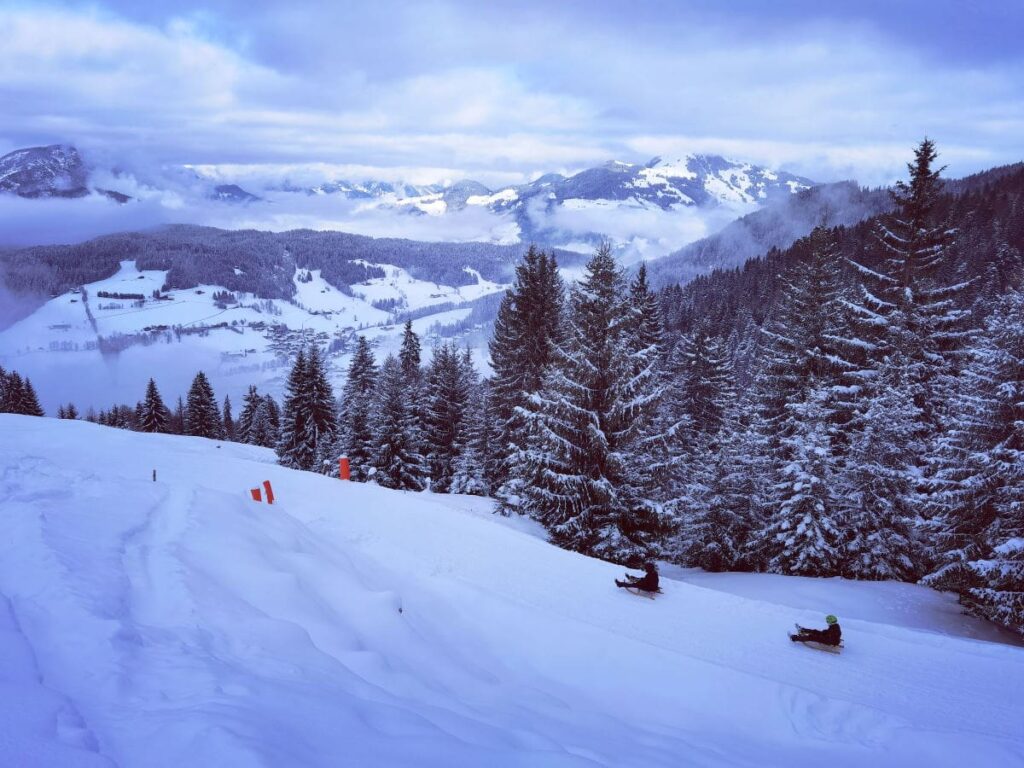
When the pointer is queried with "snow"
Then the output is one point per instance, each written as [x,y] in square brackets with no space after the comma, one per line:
[177,622]
[509,195]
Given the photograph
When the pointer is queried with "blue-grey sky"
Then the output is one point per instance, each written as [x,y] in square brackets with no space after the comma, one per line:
[502,91]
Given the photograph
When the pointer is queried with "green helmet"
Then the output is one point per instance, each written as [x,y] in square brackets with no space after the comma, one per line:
[830,620]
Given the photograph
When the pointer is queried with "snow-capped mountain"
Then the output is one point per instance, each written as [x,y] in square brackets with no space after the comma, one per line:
[695,180]
[647,210]
[53,171]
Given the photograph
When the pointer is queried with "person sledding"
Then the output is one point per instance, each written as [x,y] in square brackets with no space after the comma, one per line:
[831,636]
[646,583]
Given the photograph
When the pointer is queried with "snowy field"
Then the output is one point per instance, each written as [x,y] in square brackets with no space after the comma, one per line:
[177,622]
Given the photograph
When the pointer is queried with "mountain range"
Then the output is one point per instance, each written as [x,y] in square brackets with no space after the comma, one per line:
[554,209]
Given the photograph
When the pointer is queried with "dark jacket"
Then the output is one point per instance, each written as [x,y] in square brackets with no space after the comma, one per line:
[648,582]
[831,636]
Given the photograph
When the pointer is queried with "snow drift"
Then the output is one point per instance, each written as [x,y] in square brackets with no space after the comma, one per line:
[177,622]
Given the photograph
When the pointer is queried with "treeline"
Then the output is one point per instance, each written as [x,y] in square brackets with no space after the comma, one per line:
[17,395]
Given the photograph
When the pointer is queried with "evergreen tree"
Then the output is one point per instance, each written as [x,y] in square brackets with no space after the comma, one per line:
[202,417]
[178,419]
[802,537]
[29,402]
[587,428]
[244,426]
[71,412]
[154,416]
[356,422]
[980,531]
[227,420]
[470,476]
[397,462]
[309,422]
[877,489]
[447,403]
[527,329]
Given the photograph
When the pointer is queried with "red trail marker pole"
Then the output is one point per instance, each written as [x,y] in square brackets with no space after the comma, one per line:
[269,490]
[256,495]
[344,471]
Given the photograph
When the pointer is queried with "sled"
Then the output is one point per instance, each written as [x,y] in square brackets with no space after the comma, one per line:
[642,592]
[836,649]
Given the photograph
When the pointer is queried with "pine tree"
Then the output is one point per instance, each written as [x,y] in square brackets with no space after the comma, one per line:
[356,421]
[154,416]
[981,485]
[447,402]
[71,412]
[802,387]
[877,490]
[178,419]
[803,538]
[244,426]
[589,414]
[30,402]
[309,422]
[227,420]
[527,330]
[469,476]
[397,462]
[908,305]
[202,417]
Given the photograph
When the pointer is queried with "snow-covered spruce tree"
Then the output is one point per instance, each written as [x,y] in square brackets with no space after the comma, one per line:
[877,489]
[725,494]
[250,405]
[800,386]
[445,414]
[469,476]
[154,416]
[981,484]
[19,396]
[309,422]
[273,422]
[228,420]
[202,416]
[644,335]
[586,427]
[410,358]
[803,538]
[909,304]
[526,331]
[355,438]
[397,462]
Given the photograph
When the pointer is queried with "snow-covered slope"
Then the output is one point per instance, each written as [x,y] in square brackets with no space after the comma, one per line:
[176,622]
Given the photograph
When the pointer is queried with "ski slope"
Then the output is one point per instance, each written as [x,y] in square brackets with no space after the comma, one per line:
[177,622]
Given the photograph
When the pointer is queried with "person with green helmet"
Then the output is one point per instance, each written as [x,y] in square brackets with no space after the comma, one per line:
[831,636]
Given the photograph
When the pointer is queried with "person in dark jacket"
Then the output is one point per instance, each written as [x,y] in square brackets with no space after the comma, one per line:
[648,582]
[831,636]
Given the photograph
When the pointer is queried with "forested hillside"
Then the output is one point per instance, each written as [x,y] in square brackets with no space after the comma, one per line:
[262,263]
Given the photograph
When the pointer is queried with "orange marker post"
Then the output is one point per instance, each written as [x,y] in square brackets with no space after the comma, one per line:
[256,495]
[269,490]
[344,471]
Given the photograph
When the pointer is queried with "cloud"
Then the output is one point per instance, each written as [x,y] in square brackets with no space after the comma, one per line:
[507,90]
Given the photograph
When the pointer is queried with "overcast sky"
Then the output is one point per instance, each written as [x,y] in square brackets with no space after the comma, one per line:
[501,91]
